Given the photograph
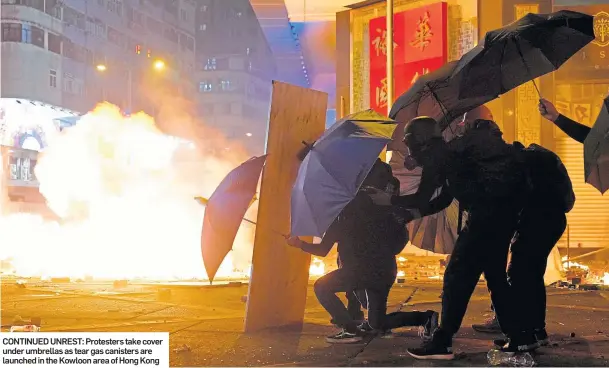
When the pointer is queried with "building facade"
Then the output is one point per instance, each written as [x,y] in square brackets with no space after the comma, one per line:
[51,50]
[578,87]
[235,67]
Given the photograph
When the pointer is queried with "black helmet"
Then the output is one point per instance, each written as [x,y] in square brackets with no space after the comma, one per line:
[421,130]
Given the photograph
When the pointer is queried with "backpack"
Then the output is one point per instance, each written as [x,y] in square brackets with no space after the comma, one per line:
[486,167]
[549,179]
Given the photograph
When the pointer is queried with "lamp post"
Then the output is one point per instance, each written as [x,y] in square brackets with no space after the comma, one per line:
[158,65]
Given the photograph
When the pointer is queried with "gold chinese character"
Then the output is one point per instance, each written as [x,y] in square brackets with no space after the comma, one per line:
[381,94]
[417,75]
[423,34]
[380,42]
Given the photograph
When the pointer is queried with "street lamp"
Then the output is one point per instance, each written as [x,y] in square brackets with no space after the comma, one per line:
[158,65]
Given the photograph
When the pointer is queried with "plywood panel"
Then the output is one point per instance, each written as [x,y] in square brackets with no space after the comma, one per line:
[278,283]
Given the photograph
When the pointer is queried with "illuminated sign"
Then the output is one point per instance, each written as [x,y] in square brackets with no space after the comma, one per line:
[601,29]
[420,47]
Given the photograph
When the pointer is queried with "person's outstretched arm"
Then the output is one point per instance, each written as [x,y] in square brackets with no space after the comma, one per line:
[322,249]
[419,201]
[573,129]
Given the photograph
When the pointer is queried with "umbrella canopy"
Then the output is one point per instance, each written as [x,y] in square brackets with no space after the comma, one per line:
[67,121]
[596,151]
[436,95]
[436,233]
[334,169]
[225,210]
[532,46]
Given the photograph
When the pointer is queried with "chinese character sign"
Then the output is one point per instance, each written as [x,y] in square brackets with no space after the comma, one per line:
[423,33]
[378,40]
[419,44]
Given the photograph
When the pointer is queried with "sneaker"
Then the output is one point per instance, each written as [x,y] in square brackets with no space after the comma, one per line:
[344,337]
[426,331]
[491,325]
[542,337]
[521,344]
[367,329]
[386,334]
[432,350]
[500,343]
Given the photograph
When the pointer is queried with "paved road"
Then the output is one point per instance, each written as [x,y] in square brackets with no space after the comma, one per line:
[208,323]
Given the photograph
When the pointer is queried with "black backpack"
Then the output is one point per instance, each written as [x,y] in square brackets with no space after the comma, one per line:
[549,180]
[488,168]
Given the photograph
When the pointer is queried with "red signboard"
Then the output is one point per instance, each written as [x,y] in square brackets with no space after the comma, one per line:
[420,46]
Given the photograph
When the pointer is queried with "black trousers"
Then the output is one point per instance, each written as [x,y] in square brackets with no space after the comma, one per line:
[481,248]
[375,287]
[539,230]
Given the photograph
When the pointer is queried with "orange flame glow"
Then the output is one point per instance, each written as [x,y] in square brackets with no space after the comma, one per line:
[317,267]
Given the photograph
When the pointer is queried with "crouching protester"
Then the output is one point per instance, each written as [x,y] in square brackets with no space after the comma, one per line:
[487,177]
[369,237]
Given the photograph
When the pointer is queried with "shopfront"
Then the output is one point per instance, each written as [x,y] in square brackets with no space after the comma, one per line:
[580,87]
[427,34]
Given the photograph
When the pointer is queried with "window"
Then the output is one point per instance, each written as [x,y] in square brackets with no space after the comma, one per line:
[53,78]
[171,34]
[205,86]
[101,2]
[114,6]
[225,85]
[37,36]
[72,85]
[53,8]
[11,32]
[190,43]
[184,15]
[210,65]
[74,51]
[204,8]
[54,43]
[203,27]
[74,18]
[36,4]
[116,37]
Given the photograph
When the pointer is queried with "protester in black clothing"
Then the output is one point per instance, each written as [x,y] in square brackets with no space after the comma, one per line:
[573,129]
[486,176]
[367,237]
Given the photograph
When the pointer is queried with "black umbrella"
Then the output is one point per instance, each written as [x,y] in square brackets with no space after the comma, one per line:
[596,151]
[532,46]
[436,95]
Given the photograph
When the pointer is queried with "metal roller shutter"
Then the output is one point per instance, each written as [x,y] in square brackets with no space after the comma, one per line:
[589,219]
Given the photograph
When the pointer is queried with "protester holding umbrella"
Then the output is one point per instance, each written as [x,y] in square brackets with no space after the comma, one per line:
[492,196]
[368,237]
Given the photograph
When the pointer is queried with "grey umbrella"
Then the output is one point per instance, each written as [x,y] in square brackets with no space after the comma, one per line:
[596,151]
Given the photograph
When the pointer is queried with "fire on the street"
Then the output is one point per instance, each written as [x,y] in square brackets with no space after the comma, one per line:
[317,267]
[126,204]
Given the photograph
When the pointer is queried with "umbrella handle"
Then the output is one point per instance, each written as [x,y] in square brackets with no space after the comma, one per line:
[543,107]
